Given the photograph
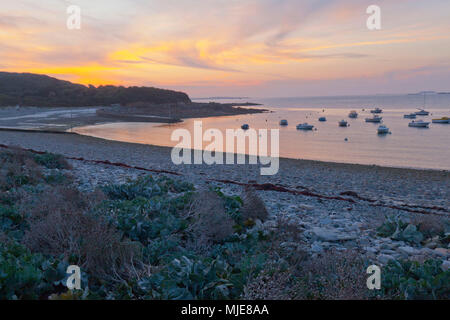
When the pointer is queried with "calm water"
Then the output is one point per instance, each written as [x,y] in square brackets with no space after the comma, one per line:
[405,147]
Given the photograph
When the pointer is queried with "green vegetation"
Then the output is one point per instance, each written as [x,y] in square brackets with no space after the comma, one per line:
[24,275]
[159,238]
[413,280]
[51,161]
[421,230]
[39,90]
[399,230]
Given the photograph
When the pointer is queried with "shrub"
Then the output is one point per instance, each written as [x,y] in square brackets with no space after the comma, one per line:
[431,225]
[186,278]
[253,208]
[17,174]
[208,219]
[24,275]
[145,187]
[287,232]
[52,161]
[15,155]
[398,230]
[12,223]
[271,284]
[142,219]
[413,280]
[334,275]
[39,202]
[58,178]
[83,239]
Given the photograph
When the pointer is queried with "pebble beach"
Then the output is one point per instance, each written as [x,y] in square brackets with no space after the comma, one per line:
[338,206]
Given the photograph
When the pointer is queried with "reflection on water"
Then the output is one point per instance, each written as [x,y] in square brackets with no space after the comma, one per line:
[357,143]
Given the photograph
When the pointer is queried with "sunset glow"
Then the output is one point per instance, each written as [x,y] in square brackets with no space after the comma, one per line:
[256,48]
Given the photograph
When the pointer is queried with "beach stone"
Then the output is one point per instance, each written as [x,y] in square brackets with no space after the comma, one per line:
[426,251]
[408,250]
[442,251]
[388,251]
[445,265]
[316,247]
[331,235]
[325,221]
[371,249]
[270,224]
[385,258]
[431,245]
[364,241]
[306,207]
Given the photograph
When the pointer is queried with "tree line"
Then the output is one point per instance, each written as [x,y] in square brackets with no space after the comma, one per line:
[26,89]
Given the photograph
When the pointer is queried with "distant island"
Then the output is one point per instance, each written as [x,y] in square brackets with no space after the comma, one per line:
[422,93]
[27,89]
[221,98]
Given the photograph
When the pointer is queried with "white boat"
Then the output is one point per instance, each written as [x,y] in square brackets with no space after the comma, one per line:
[322,119]
[441,120]
[376,110]
[374,119]
[419,124]
[343,123]
[383,130]
[422,113]
[353,114]
[410,116]
[283,123]
[245,127]
[305,126]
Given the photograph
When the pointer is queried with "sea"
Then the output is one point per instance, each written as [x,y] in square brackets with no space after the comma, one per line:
[358,143]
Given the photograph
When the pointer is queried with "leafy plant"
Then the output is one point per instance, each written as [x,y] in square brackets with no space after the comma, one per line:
[232,205]
[399,230]
[11,222]
[412,280]
[51,161]
[194,278]
[28,276]
[146,187]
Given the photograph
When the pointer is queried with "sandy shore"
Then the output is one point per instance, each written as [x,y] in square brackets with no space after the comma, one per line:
[62,119]
[338,205]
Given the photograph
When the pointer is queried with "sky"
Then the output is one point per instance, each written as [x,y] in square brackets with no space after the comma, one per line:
[252,48]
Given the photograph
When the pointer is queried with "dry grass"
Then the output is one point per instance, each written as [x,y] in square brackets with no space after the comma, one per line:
[269,285]
[17,168]
[333,276]
[210,223]
[253,208]
[430,225]
[91,242]
[288,232]
[60,199]
[59,225]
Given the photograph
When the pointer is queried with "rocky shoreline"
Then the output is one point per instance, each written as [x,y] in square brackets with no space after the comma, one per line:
[337,206]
